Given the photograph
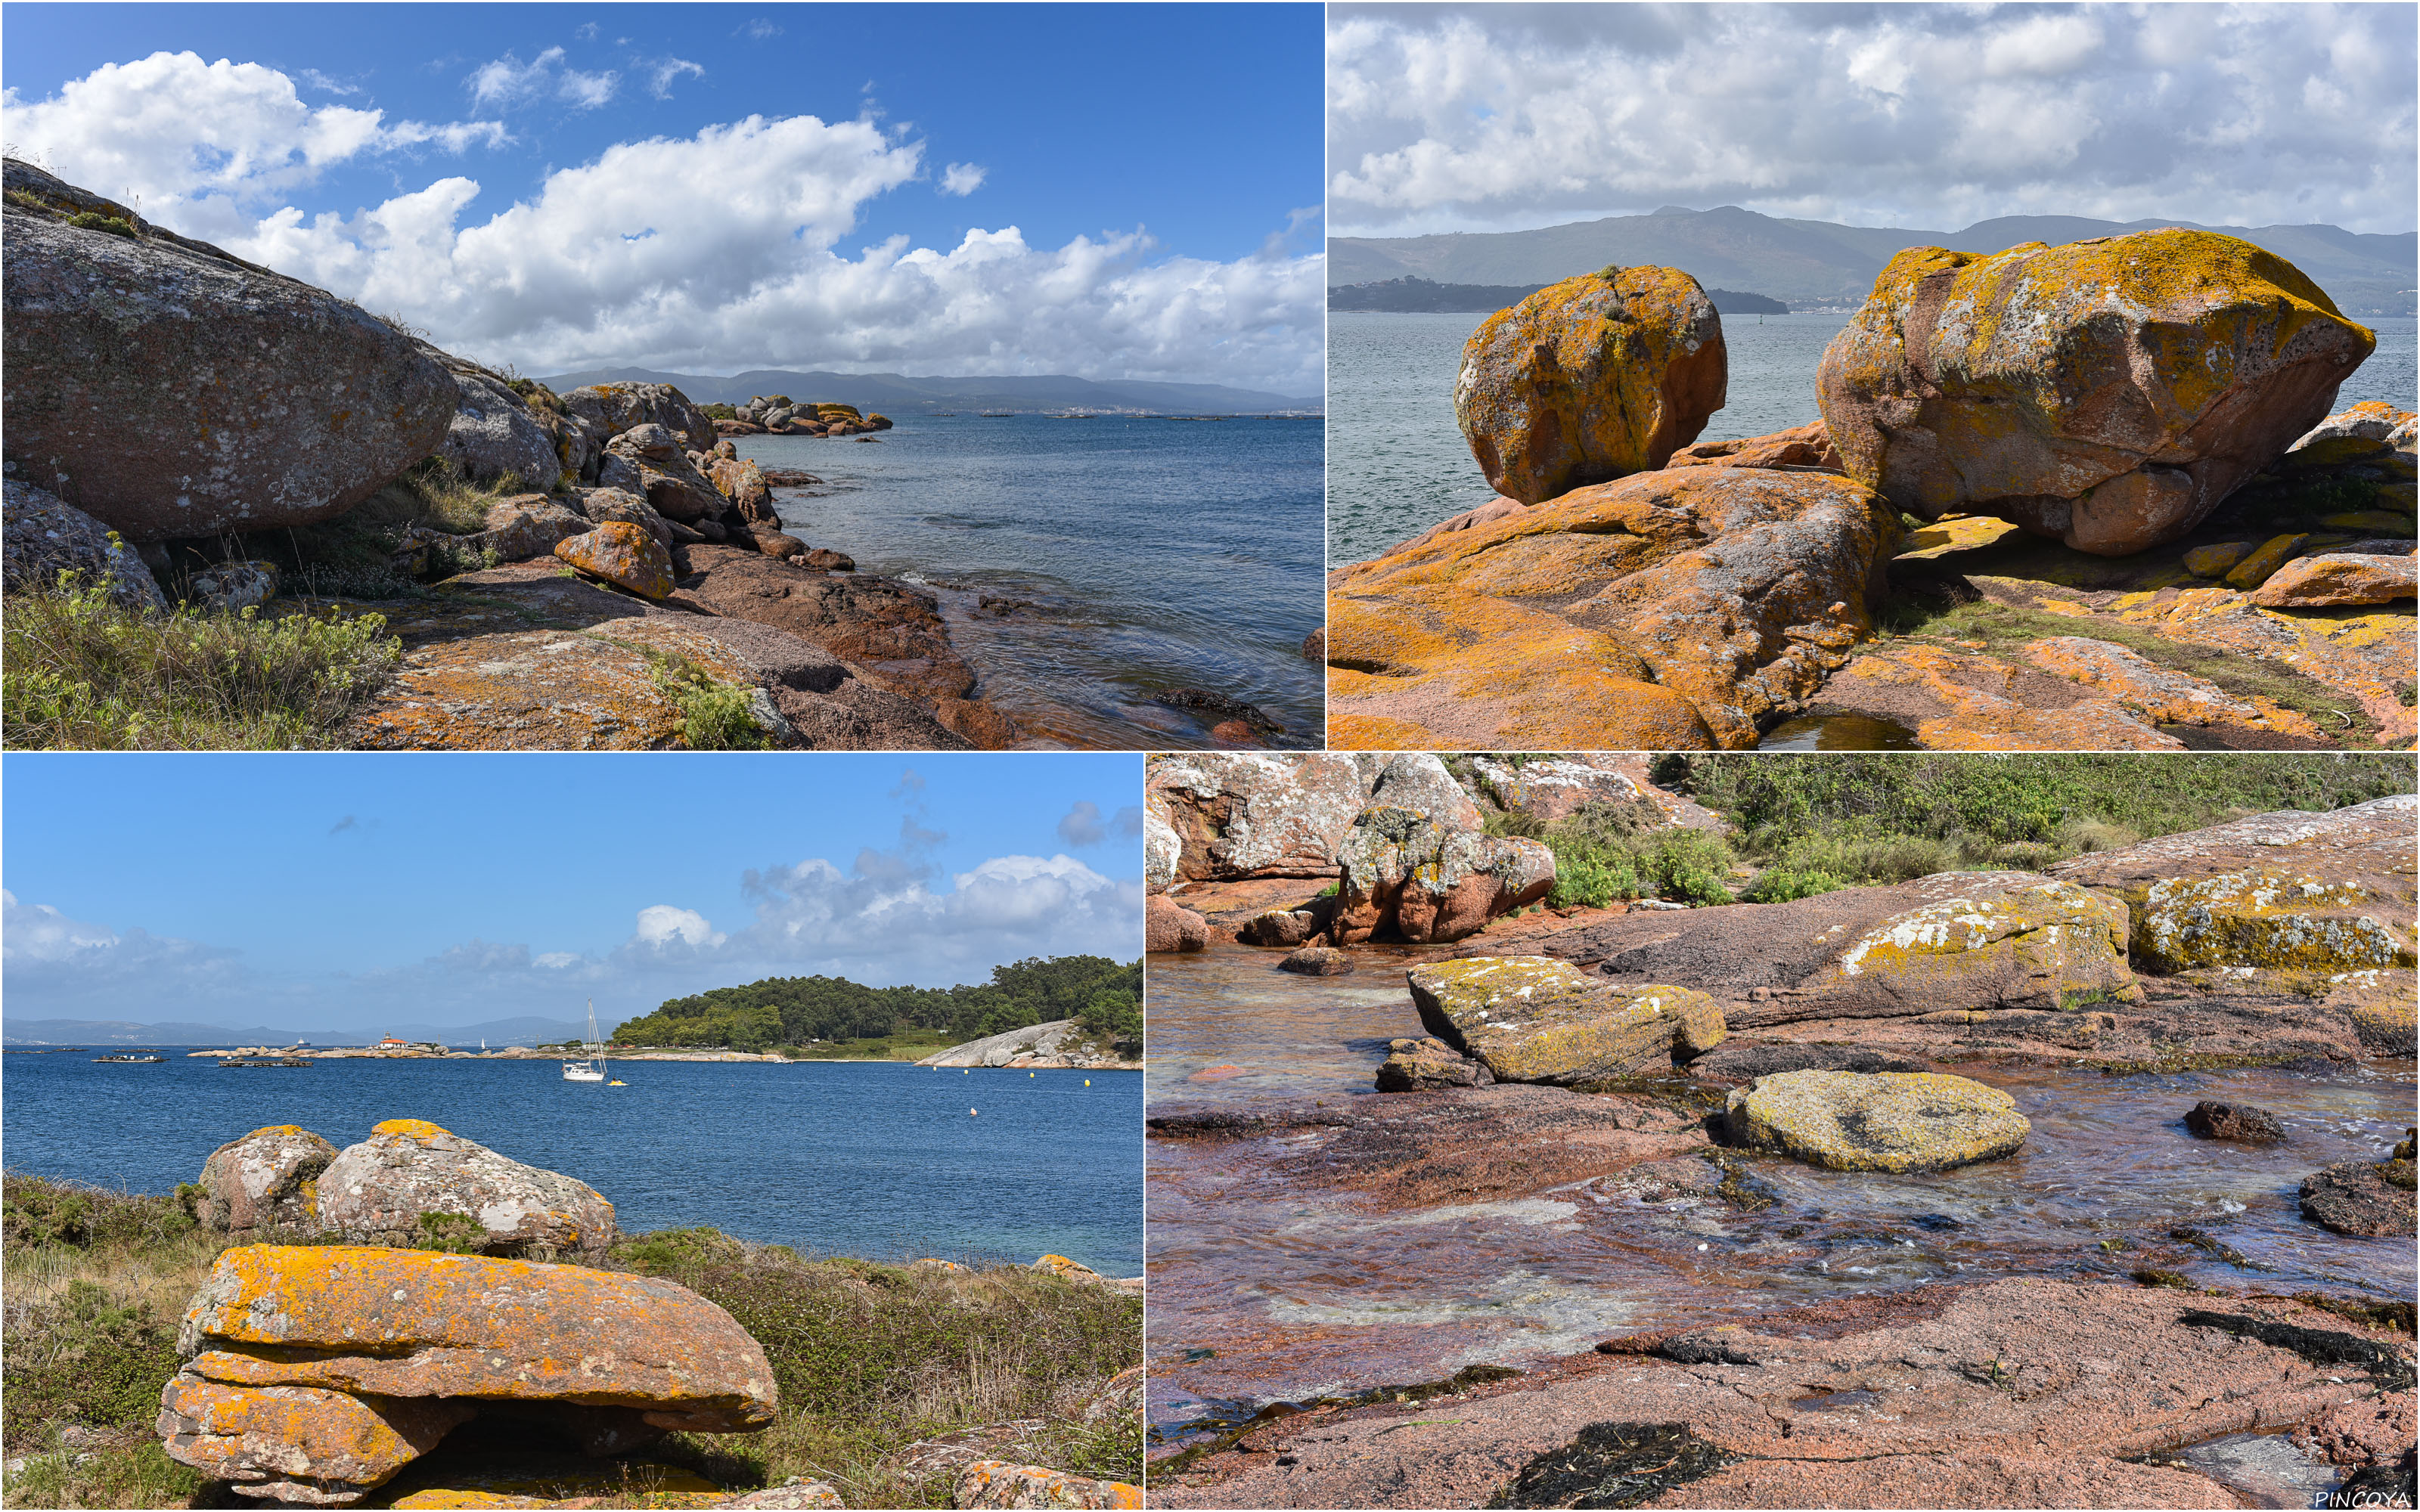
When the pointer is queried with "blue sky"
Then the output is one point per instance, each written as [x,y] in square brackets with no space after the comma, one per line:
[352,890]
[1177,149]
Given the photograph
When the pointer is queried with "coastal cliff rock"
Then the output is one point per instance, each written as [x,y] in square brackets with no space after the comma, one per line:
[671,482]
[168,389]
[1589,379]
[1061,1045]
[1529,1019]
[2109,393]
[269,1179]
[46,538]
[890,629]
[279,1394]
[413,1180]
[1417,866]
[1233,815]
[1847,1120]
[1670,610]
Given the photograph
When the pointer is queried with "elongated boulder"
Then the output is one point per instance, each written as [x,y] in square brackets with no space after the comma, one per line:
[1001,1482]
[313,1373]
[168,389]
[1958,940]
[269,1179]
[2319,894]
[1590,380]
[744,483]
[1168,926]
[2339,578]
[1847,1120]
[411,1180]
[2108,393]
[1237,815]
[622,554]
[1670,611]
[1529,1019]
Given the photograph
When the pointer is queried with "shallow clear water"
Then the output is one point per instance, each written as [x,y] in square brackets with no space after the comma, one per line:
[879,1160]
[1839,732]
[1158,554]
[1397,463]
[1301,1294]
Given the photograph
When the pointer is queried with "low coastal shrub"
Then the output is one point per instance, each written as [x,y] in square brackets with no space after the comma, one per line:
[714,716]
[1610,851]
[79,672]
[1781,885]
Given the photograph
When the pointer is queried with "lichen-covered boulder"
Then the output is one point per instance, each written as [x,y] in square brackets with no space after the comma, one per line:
[269,1179]
[312,1374]
[1956,940]
[1670,611]
[1428,1065]
[616,408]
[1847,1120]
[1256,814]
[494,434]
[528,525]
[670,480]
[411,1180]
[1590,380]
[629,506]
[2316,894]
[743,483]
[1001,1482]
[2333,578]
[1431,877]
[2108,393]
[1529,1019]
[1168,926]
[168,389]
[46,538]
[623,554]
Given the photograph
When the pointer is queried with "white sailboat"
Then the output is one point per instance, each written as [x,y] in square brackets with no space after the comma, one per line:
[591,1067]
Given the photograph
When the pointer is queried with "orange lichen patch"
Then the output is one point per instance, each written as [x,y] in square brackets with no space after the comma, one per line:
[1589,379]
[1973,702]
[1958,532]
[1061,1265]
[393,1322]
[998,1483]
[549,1480]
[2158,694]
[2328,581]
[623,554]
[1806,446]
[297,1433]
[1672,610]
[2069,607]
[278,1129]
[2254,567]
[2363,654]
[418,1129]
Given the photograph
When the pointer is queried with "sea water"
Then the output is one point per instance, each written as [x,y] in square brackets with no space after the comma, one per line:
[1145,555]
[883,1159]
[1397,463]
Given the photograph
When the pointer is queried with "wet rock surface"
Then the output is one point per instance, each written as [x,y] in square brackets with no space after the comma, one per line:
[1876,1121]
[2011,1393]
[1670,610]
[1318,961]
[2241,1123]
[2365,1199]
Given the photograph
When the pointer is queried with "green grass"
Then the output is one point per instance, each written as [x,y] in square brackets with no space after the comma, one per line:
[903,1045]
[353,555]
[868,1357]
[1610,851]
[2002,629]
[78,672]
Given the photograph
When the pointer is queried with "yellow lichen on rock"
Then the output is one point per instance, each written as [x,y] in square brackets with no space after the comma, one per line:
[1880,1121]
[1001,1482]
[1534,1019]
[418,1130]
[2047,943]
[2287,920]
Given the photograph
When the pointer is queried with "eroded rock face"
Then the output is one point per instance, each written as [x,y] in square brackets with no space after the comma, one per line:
[2320,894]
[390,1188]
[1417,866]
[674,485]
[2108,393]
[269,1179]
[1958,940]
[1847,1120]
[279,1393]
[892,629]
[46,538]
[167,388]
[1670,611]
[1529,1019]
[1589,379]
[529,525]
[614,408]
[1256,814]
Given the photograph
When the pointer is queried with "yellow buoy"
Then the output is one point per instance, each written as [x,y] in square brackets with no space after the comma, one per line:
[1088,1081]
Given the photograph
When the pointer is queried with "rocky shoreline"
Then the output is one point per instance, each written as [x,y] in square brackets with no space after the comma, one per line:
[1986,542]
[628,586]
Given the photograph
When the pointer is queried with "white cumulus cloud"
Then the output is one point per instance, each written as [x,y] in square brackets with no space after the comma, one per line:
[507,81]
[661,926]
[962,179]
[1479,117]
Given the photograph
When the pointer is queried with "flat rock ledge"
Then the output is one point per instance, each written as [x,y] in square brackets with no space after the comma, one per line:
[1847,1120]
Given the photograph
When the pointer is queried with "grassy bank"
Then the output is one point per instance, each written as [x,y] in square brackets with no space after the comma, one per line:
[1808,825]
[869,1357]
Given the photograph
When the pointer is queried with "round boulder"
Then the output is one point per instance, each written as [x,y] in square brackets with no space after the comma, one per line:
[1318,961]
[46,538]
[1847,1120]
[1589,379]
[411,1180]
[623,554]
[2108,393]
[266,1179]
[1168,926]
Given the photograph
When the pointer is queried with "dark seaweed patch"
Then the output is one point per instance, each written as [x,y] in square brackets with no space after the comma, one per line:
[2319,1346]
[1614,1465]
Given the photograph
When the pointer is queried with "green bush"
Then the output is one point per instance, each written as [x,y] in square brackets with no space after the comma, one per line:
[1583,880]
[34,1212]
[98,1362]
[78,672]
[1780,884]
[455,1233]
[1114,1016]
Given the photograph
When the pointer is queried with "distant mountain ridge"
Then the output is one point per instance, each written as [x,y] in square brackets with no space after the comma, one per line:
[33,1033]
[1821,263]
[1416,295]
[896,395]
